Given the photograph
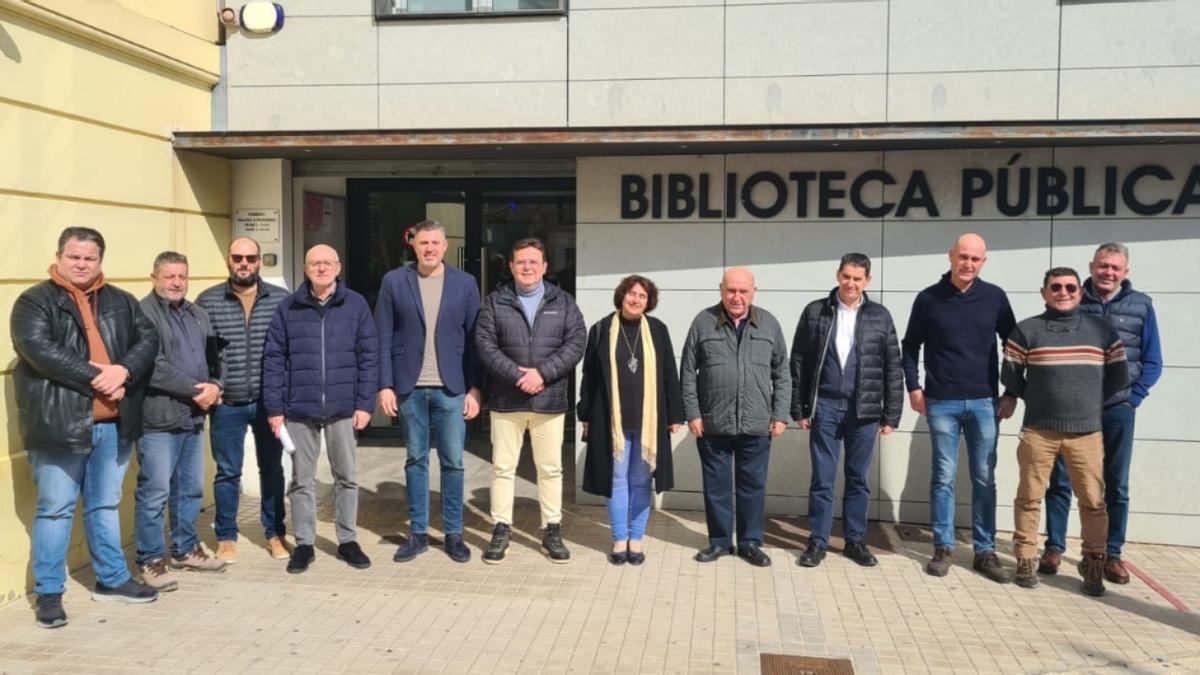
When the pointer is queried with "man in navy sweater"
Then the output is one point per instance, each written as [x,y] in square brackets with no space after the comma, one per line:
[958,320]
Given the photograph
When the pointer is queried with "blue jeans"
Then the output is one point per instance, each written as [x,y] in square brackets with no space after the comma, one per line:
[1117,428]
[976,420]
[831,428]
[171,475]
[60,478]
[629,505]
[724,461]
[433,408]
[228,447]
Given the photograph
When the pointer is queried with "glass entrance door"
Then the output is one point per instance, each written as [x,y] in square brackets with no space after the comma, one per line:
[483,218]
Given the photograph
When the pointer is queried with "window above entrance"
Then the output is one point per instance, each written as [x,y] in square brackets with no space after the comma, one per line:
[389,10]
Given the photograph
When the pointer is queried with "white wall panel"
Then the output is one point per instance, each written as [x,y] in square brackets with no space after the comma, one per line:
[806,39]
[647,43]
[990,96]
[645,102]
[324,50]
[1143,93]
[938,36]
[1130,34]
[821,99]
[412,52]
[491,104]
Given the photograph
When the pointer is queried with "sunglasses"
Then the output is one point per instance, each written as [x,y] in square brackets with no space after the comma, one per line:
[237,258]
[1057,288]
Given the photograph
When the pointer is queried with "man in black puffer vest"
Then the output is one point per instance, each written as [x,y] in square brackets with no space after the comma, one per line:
[240,309]
[847,383]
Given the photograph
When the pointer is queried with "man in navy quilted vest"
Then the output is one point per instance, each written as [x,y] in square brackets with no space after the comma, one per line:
[320,377]
[1109,293]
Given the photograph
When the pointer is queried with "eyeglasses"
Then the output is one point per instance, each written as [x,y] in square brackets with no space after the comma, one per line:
[238,257]
[1058,288]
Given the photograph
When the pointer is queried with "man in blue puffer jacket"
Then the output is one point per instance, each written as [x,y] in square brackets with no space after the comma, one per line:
[320,374]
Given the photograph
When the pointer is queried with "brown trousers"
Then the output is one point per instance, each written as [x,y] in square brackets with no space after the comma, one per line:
[1084,456]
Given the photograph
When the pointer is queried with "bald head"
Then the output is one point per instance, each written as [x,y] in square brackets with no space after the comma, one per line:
[967,259]
[322,267]
[737,291]
[244,262]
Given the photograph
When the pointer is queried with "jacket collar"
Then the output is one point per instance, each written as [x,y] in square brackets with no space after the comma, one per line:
[833,300]
[1090,295]
[304,295]
[724,320]
[263,290]
[185,306]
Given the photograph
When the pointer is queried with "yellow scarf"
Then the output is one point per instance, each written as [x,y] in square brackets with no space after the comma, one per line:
[649,437]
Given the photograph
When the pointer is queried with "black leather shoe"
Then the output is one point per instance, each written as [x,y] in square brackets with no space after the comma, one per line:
[302,557]
[353,554]
[859,553]
[636,557]
[415,546]
[752,554]
[618,557]
[813,555]
[710,553]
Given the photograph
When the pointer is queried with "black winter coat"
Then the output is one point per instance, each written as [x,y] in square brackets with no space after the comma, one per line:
[505,341]
[53,377]
[880,382]
[595,407]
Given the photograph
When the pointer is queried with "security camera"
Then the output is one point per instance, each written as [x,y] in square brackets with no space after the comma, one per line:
[228,17]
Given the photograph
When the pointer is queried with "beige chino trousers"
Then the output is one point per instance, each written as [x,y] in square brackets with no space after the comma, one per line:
[546,436]
[1084,457]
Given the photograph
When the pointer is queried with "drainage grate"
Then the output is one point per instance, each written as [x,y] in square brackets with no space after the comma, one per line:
[784,664]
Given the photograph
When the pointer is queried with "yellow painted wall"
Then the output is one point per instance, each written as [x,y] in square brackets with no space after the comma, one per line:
[90,92]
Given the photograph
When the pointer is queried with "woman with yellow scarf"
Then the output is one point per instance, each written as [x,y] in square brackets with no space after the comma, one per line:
[629,405]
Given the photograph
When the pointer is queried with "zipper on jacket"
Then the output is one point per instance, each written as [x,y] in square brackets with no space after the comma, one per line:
[323,363]
[816,390]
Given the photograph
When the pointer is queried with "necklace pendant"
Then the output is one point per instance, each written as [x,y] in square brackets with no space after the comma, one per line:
[632,364]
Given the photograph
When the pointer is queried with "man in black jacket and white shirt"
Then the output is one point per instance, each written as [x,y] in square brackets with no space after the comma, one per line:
[529,335]
[848,385]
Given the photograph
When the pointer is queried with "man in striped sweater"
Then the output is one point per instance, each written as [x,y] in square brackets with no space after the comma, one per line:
[1064,364]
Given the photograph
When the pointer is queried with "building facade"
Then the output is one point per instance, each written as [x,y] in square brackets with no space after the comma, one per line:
[671,138]
[677,138]
[90,95]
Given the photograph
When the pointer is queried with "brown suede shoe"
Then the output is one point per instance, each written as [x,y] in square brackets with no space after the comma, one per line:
[1025,577]
[1051,559]
[1114,571]
[278,547]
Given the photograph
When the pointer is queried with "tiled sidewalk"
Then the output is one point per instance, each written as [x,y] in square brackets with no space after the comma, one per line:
[672,614]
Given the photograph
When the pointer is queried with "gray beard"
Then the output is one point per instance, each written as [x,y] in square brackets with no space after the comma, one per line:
[249,281]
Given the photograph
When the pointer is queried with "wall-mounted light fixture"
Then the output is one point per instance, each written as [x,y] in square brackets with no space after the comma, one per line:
[261,17]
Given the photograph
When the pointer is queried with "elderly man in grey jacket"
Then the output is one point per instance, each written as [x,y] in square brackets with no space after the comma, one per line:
[736,396]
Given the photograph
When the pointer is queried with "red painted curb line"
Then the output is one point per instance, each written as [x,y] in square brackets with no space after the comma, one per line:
[1158,588]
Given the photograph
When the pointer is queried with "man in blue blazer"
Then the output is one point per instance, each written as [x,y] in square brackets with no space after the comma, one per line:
[428,373]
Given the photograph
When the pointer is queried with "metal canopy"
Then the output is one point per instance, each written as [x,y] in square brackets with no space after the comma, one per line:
[559,143]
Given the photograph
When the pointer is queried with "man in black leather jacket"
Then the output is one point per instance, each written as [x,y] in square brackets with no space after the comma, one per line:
[848,386]
[85,352]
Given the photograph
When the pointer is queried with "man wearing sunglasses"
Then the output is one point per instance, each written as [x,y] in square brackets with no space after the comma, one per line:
[1109,294]
[241,309]
[1065,364]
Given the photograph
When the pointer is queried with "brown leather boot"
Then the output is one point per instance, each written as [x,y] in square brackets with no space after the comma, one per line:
[1051,559]
[1091,568]
[1114,571]
[1025,576]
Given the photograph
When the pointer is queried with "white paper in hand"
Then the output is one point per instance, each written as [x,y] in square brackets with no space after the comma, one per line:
[286,439]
